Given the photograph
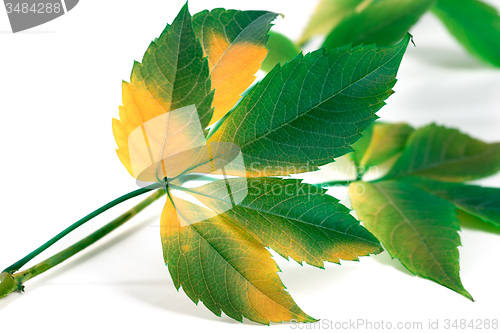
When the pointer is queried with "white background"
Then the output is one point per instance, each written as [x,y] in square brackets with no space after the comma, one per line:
[60,85]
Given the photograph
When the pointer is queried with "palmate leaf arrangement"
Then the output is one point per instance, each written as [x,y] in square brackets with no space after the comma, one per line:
[474,24]
[228,194]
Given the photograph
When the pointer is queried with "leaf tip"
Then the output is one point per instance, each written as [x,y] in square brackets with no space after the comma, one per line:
[462,291]
[412,41]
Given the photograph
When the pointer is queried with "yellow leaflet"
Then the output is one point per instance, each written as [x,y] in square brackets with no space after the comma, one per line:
[232,70]
[228,270]
[235,45]
[139,106]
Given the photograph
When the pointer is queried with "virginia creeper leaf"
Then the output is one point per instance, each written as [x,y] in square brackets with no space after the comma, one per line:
[281,50]
[446,154]
[482,202]
[327,14]
[218,263]
[383,22]
[418,228]
[310,110]
[173,74]
[295,219]
[214,242]
[235,43]
[380,142]
[475,24]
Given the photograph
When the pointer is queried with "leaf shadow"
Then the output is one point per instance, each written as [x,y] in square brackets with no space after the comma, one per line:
[471,222]
[158,293]
[78,260]
[445,58]
[4,302]
[385,258]
[293,275]
[73,262]
[94,251]
[163,295]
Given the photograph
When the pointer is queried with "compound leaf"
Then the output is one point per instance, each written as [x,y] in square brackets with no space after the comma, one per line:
[446,154]
[475,24]
[312,109]
[295,219]
[418,228]
[304,114]
[224,267]
[235,43]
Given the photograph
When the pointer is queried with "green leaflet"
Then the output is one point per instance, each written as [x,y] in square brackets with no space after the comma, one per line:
[295,219]
[281,50]
[312,109]
[380,142]
[418,228]
[383,22]
[326,16]
[224,267]
[446,154]
[475,25]
[482,202]
[175,62]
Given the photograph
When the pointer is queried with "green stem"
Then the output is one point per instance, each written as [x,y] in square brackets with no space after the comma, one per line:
[58,258]
[16,266]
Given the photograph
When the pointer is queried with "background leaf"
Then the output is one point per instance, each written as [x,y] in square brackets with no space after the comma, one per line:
[380,142]
[218,263]
[281,50]
[475,24]
[235,43]
[446,154]
[482,202]
[295,219]
[173,74]
[383,22]
[414,226]
[312,109]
